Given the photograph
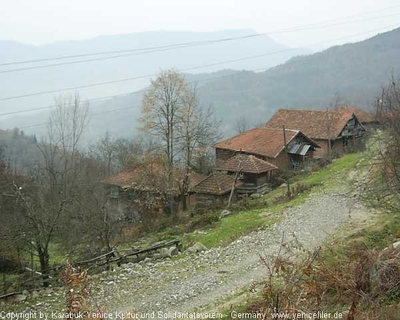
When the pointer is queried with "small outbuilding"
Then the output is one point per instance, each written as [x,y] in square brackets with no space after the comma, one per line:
[216,189]
[254,172]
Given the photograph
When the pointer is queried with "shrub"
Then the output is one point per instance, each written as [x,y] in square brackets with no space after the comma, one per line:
[355,278]
[202,220]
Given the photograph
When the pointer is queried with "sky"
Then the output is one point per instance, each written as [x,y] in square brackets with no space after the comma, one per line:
[339,21]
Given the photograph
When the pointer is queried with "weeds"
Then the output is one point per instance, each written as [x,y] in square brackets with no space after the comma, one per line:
[76,291]
[351,280]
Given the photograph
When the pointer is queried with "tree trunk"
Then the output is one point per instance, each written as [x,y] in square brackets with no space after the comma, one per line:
[184,203]
[44,265]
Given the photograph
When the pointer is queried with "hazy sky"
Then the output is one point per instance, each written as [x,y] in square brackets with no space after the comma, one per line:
[43,21]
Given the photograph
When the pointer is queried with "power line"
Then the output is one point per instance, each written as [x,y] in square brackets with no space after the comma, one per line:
[91,115]
[141,77]
[179,70]
[168,48]
[121,109]
[54,105]
[122,94]
[140,51]
[176,45]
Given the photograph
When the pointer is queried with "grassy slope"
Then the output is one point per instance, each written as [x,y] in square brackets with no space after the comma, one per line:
[242,222]
[379,233]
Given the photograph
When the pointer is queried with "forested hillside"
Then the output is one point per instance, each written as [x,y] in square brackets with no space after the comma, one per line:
[17,150]
[352,72]
[132,62]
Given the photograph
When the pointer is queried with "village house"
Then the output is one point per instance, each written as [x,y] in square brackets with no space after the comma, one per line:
[367,119]
[268,144]
[336,132]
[254,172]
[216,189]
[132,192]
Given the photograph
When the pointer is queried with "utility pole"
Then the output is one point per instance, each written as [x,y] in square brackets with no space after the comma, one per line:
[288,159]
[329,136]
[237,174]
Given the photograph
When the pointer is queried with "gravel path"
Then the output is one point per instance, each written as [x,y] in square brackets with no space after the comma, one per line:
[207,280]
[203,281]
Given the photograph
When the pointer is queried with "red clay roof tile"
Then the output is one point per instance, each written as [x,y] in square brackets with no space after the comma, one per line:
[246,163]
[362,115]
[152,177]
[216,183]
[315,124]
[262,141]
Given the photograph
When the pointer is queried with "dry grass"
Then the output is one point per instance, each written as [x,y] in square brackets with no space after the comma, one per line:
[355,281]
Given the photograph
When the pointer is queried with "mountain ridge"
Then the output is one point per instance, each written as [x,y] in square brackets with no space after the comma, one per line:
[351,73]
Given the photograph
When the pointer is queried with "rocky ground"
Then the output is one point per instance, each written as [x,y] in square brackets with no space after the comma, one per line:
[210,280]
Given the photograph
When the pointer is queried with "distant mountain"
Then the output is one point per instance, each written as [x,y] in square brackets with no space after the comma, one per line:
[354,72]
[118,115]
[133,65]
[18,150]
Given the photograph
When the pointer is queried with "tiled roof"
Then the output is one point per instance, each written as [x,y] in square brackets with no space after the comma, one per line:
[315,124]
[195,178]
[246,163]
[362,115]
[146,177]
[216,183]
[152,177]
[262,141]
[123,179]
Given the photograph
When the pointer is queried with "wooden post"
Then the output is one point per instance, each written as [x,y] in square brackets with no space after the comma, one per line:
[329,136]
[238,170]
[288,158]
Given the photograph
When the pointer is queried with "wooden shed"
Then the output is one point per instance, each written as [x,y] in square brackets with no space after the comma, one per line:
[254,172]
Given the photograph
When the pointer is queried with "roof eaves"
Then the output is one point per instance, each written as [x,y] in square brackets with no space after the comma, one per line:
[287,142]
[255,164]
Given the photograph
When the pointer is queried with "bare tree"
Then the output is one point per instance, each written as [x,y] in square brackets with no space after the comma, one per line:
[106,150]
[336,101]
[122,154]
[49,194]
[196,130]
[242,124]
[388,114]
[161,109]
[93,221]
[9,246]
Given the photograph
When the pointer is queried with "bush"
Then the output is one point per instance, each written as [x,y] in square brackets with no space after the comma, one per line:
[353,277]
[202,220]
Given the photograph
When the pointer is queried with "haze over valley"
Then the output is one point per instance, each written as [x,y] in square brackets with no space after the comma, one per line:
[346,74]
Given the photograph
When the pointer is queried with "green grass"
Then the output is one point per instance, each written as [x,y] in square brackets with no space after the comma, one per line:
[329,176]
[379,234]
[244,221]
[383,233]
[338,169]
[232,227]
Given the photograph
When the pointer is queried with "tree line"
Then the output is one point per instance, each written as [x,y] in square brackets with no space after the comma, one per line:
[61,202]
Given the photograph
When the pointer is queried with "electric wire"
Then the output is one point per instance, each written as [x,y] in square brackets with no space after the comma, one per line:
[292,29]
[179,70]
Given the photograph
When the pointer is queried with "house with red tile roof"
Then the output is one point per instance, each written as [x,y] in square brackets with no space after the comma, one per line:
[268,144]
[366,118]
[145,187]
[336,132]
[216,189]
[254,172]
